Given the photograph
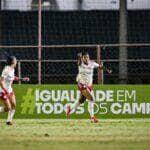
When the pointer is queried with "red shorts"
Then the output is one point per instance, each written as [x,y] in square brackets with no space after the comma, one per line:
[5,97]
[84,87]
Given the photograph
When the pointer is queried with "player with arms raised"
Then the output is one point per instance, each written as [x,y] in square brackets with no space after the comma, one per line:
[7,95]
[85,82]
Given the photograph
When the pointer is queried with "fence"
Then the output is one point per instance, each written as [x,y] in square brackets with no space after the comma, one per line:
[58,63]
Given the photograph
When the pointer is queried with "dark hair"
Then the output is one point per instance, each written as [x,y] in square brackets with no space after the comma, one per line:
[85,53]
[10,60]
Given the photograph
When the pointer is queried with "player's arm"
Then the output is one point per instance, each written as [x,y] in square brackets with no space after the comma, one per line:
[2,80]
[21,79]
[79,59]
[2,85]
[102,67]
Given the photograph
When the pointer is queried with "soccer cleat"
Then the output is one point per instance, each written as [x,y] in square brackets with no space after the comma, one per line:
[94,120]
[9,123]
[68,110]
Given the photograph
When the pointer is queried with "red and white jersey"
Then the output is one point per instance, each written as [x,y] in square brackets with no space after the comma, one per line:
[85,75]
[8,74]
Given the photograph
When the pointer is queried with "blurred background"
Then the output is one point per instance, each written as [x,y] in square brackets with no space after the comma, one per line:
[29,5]
[46,35]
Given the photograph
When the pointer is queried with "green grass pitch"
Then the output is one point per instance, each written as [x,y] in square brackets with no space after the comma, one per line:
[68,134]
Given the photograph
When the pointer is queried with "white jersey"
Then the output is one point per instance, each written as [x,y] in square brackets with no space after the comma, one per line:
[8,74]
[85,75]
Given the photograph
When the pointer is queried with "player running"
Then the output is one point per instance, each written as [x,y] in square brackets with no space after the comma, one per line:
[85,82]
[7,95]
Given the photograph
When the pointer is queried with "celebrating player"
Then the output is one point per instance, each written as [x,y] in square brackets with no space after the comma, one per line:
[7,95]
[85,81]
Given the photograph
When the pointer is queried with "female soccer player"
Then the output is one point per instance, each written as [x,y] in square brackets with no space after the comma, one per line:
[7,95]
[85,81]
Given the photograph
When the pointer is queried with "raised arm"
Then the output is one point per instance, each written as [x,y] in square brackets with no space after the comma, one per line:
[79,55]
[104,68]
[21,79]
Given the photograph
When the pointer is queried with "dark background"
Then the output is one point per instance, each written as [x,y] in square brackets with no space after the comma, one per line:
[75,27]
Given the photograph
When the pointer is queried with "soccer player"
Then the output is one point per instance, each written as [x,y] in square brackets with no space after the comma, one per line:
[85,81]
[7,95]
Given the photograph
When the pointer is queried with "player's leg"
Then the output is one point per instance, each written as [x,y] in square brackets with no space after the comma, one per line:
[7,108]
[74,106]
[6,104]
[89,97]
[12,100]
[2,109]
[87,94]
[77,103]
[81,100]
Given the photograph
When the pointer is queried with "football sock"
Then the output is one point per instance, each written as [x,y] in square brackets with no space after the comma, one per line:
[10,115]
[91,108]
